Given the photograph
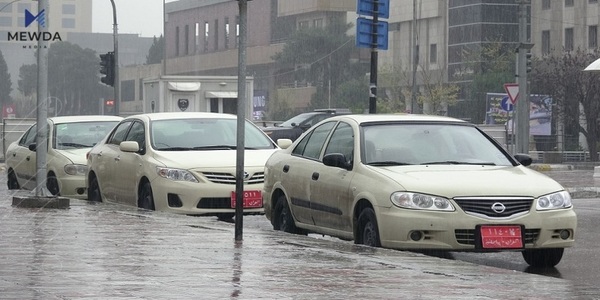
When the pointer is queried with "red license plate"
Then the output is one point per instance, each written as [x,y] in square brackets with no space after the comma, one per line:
[252,199]
[501,237]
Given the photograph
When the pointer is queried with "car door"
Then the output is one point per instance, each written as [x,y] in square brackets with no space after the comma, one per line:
[297,172]
[330,193]
[128,164]
[23,160]
[107,160]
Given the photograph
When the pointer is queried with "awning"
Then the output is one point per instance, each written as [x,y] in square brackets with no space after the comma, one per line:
[184,86]
[221,95]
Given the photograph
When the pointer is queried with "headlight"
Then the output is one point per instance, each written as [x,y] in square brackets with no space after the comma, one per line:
[554,201]
[176,174]
[74,169]
[421,201]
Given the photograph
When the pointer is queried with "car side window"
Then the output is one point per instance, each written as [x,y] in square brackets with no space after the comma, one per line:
[312,144]
[342,141]
[137,134]
[29,137]
[119,133]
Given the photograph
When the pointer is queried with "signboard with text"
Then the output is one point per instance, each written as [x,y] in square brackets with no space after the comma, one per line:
[540,112]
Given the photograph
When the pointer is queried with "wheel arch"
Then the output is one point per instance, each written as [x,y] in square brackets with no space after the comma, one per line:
[358,208]
[143,180]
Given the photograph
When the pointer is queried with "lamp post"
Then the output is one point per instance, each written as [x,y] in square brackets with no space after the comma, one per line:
[117,85]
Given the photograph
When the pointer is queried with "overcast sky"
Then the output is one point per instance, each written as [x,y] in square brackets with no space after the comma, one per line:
[143,17]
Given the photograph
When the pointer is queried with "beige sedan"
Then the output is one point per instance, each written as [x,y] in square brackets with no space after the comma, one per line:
[70,138]
[416,182]
[179,162]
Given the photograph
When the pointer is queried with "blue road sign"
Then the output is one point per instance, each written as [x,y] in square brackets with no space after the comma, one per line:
[506,104]
[364,34]
[367,8]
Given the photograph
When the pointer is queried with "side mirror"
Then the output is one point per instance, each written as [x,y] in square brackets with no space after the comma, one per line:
[524,159]
[336,160]
[129,146]
[32,147]
[284,143]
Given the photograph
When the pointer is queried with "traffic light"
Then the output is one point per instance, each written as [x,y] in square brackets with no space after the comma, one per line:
[109,107]
[107,68]
[528,62]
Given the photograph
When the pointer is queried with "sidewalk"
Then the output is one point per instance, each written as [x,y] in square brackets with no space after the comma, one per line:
[108,251]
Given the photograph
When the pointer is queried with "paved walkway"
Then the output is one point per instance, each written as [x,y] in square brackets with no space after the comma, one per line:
[108,251]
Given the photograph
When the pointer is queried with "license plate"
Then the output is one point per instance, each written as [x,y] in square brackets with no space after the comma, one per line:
[252,199]
[501,237]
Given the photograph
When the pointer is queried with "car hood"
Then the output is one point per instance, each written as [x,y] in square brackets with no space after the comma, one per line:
[212,158]
[471,180]
[77,156]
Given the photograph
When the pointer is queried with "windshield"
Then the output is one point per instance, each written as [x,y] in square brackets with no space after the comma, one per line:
[408,144]
[297,120]
[205,134]
[80,134]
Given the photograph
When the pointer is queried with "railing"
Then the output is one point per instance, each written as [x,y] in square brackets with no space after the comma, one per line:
[560,156]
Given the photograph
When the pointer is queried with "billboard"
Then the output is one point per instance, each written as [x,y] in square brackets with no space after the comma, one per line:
[499,110]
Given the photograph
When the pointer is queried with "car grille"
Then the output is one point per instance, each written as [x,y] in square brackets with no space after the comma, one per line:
[214,203]
[494,207]
[467,236]
[227,178]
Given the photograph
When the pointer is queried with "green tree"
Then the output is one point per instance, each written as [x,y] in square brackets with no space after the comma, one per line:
[5,82]
[156,51]
[576,93]
[27,83]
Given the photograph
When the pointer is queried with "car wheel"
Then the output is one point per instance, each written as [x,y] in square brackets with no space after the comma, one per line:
[94,190]
[146,199]
[368,233]
[52,184]
[12,182]
[283,219]
[543,258]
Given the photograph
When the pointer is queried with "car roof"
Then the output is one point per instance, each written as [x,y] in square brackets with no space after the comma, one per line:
[367,118]
[183,115]
[83,118]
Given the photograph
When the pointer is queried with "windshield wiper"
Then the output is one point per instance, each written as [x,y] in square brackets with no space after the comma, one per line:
[455,162]
[388,163]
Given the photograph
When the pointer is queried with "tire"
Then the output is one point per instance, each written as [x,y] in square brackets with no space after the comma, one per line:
[93,191]
[283,219]
[12,182]
[52,184]
[146,199]
[543,258]
[367,233]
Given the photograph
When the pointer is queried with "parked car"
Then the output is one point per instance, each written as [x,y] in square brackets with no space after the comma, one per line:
[179,162]
[417,182]
[69,139]
[294,127]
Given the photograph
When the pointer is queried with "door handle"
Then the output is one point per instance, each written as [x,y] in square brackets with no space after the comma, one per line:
[28,158]
[315,176]
[286,168]
[117,158]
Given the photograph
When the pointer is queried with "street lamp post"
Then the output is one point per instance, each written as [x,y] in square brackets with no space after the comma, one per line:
[117,82]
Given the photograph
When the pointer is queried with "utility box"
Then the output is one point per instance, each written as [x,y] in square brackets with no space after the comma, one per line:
[196,94]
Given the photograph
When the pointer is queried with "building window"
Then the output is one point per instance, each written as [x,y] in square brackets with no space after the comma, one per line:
[568,3]
[593,1]
[68,23]
[302,24]
[237,31]
[593,36]
[5,21]
[216,35]
[140,89]
[226,27]
[569,39]
[545,42]
[186,40]
[433,54]
[177,41]
[197,38]
[206,34]
[128,90]
[68,9]
[545,4]
[318,23]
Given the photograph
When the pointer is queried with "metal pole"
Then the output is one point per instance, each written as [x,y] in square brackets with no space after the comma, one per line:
[522,107]
[241,118]
[373,75]
[413,99]
[164,62]
[42,106]
[117,84]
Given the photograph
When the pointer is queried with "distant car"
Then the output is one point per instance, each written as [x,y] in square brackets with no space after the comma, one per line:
[69,139]
[417,182]
[294,127]
[179,162]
